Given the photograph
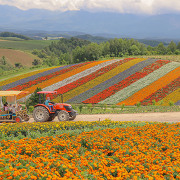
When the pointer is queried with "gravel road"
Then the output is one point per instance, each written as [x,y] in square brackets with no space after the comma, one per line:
[159,117]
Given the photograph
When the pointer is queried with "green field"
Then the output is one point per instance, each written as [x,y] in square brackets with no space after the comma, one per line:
[24,44]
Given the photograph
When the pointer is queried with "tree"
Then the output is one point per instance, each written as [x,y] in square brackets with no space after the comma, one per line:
[161,49]
[93,52]
[172,46]
[36,62]
[178,46]
[134,50]
[34,98]
[3,61]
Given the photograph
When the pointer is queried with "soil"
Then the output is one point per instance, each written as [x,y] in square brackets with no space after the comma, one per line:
[158,117]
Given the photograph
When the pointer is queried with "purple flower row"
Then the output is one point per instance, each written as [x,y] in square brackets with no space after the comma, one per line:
[110,82]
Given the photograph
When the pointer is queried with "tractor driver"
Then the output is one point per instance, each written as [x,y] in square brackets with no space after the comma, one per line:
[47,104]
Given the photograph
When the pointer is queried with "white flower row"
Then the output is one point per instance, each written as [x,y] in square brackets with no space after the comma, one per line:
[138,85]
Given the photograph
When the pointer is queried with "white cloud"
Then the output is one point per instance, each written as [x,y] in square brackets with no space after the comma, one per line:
[122,6]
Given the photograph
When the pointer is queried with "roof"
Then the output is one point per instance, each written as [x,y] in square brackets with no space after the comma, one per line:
[46,92]
[12,93]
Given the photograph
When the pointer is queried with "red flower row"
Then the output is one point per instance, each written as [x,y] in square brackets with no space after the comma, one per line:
[47,77]
[88,78]
[163,92]
[126,82]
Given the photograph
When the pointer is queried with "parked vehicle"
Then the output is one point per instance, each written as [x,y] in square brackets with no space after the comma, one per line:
[11,111]
[43,112]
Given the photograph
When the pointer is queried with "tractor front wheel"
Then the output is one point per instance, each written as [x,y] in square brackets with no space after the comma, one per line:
[72,117]
[40,114]
[63,116]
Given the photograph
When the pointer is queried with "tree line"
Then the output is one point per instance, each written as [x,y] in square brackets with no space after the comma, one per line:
[10,34]
[74,50]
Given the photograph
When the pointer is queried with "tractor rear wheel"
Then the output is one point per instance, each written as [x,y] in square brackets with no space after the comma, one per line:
[63,116]
[40,114]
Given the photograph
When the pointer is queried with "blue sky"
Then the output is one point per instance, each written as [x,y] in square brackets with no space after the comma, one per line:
[120,6]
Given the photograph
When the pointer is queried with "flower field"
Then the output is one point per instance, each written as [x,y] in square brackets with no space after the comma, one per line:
[90,150]
[118,81]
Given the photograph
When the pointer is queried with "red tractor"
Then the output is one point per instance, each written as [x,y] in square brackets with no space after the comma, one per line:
[43,113]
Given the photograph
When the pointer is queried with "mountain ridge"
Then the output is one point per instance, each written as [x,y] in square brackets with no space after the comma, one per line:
[124,25]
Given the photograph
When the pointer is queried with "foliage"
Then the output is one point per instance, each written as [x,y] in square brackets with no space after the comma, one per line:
[36,62]
[34,98]
[76,50]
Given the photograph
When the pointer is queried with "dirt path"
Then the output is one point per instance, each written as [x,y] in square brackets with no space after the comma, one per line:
[159,117]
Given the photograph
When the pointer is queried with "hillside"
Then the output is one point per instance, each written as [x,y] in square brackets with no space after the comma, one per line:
[16,56]
[126,81]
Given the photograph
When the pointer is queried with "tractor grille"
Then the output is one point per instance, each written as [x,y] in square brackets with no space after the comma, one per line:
[68,108]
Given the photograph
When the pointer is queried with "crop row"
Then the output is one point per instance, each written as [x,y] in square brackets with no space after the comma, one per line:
[140,84]
[142,152]
[153,87]
[77,91]
[127,80]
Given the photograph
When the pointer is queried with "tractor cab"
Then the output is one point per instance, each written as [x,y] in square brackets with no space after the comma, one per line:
[47,110]
[10,110]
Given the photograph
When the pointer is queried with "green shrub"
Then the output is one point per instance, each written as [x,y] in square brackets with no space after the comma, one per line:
[171,103]
[80,107]
[30,109]
[138,104]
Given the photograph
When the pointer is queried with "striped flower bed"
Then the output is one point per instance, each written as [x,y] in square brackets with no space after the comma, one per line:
[100,79]
[163,92]
[148,90]
[80,75]
[60,78]
[89,77]
[126,82]
[38,80]
[138,85]
[117,81]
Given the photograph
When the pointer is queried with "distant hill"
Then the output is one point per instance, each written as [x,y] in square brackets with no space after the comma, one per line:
[91,38]
[122,25]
